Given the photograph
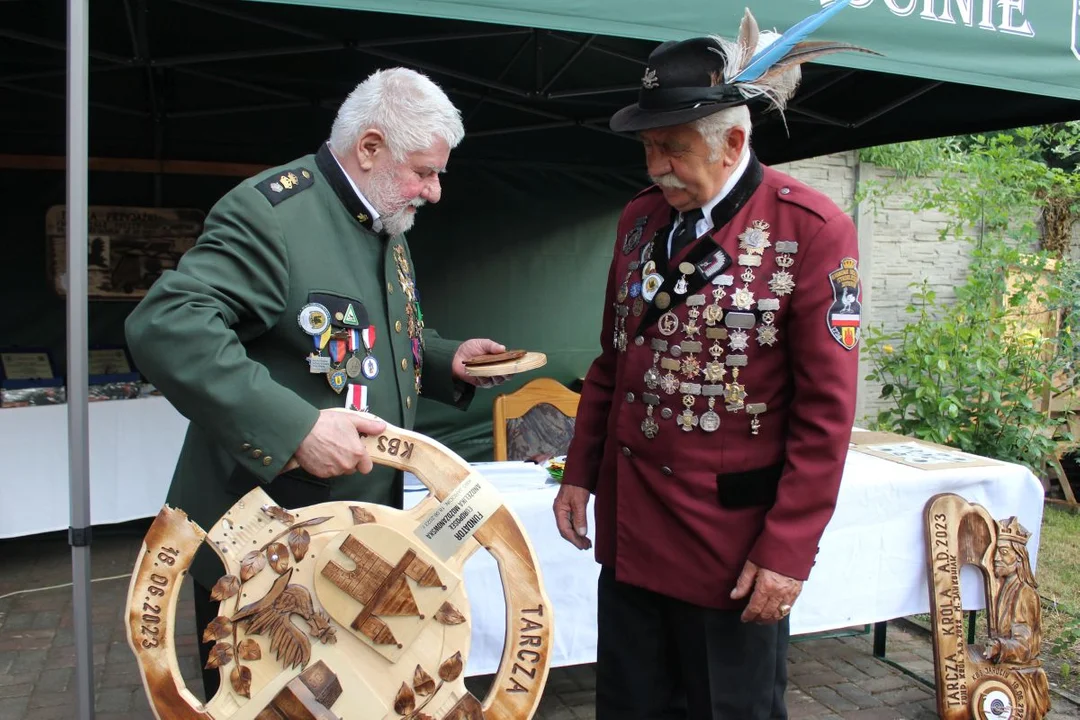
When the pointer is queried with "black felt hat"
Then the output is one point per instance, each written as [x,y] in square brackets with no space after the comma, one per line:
[683,82]
[688,80]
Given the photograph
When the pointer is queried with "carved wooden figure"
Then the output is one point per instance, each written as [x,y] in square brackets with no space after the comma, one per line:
[1002,680]
[347,610]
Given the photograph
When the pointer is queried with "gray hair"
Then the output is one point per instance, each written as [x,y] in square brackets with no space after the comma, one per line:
[408,108]
[715,128]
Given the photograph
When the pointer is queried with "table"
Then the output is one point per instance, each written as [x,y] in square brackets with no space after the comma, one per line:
[133,449]
[870,569]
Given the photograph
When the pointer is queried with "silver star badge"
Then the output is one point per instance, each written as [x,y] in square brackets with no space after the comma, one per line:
[782,283]
[743,299]
[739,340]
[755,238]
[766,335]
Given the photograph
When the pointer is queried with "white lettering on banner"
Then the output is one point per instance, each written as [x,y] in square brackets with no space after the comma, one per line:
[1076,29]
[1010,19]
[902,12]
[1008,22]
[459,516]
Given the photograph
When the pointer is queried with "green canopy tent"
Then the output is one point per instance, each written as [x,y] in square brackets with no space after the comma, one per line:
[518,248]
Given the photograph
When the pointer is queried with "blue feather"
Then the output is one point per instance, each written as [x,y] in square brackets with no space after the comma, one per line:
[762,61]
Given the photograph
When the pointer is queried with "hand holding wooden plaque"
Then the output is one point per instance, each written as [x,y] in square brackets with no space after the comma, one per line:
[347,610]
[1002,680]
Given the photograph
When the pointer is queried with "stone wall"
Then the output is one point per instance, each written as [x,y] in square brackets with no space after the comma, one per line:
[897,247]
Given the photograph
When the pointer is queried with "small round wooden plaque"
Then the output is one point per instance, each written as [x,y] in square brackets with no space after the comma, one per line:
[528,361]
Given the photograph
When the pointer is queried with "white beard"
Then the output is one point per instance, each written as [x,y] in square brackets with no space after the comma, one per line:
[392,208]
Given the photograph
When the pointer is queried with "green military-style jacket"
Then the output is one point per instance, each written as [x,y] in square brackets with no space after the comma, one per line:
[222,338]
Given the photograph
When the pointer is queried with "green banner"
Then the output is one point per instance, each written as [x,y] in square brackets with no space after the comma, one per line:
[1021,45]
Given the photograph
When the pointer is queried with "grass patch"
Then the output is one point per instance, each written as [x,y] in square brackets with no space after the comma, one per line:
[1057,571]
[1057,568]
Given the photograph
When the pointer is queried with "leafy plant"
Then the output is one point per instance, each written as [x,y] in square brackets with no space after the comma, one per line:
[1068,638]
[969,373]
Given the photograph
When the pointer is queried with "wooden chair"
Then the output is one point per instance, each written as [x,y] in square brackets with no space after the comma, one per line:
[536,419]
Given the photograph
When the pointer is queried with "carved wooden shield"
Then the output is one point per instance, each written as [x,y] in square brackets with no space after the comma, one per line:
[347,611]
[1002,679]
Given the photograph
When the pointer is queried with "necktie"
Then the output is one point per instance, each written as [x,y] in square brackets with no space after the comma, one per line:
[686,231]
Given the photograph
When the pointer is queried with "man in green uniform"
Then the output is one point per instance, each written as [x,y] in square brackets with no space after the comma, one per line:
[298,298]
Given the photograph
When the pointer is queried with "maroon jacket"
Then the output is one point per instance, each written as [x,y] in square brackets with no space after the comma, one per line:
[680,513]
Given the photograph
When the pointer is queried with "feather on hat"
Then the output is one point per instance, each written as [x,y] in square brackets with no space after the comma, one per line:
[688,80]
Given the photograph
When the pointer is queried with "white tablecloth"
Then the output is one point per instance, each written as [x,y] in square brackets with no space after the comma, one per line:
[871,566]
[133,449]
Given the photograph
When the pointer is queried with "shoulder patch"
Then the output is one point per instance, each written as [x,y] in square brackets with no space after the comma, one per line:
[285,184]
[844,316]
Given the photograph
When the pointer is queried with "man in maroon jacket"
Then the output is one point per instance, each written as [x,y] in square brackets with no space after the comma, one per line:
[714,425]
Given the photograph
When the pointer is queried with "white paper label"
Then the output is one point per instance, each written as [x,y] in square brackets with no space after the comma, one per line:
[462,513]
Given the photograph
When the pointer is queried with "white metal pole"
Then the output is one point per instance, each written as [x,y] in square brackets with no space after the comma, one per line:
[77,350]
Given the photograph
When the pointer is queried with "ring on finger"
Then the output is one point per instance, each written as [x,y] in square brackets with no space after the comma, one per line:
[784,610]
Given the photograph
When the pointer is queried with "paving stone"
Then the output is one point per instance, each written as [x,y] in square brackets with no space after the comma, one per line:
[831,699]
[59,712]
[27,640]
[54,681]
[44,699]
[46,621]
[18,621]
[857,695]
[917,711]
[878,713]
[17,678]
[13,691]
[113,700]
[818,679]
[13,708]
[902,696]
[30,661]
[893,681]
[869,665]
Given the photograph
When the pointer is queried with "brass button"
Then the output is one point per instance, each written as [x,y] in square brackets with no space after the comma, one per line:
[397,326]
[629,397]
[267,460]
[626,451]
[389,288]
[666,470]
[245,447]
[404,364]
[408,402]
[256,453]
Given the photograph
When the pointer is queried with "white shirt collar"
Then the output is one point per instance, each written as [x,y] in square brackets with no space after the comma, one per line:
[376,223]
[705,224]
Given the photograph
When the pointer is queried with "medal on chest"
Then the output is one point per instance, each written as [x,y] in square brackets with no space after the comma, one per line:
[698,352]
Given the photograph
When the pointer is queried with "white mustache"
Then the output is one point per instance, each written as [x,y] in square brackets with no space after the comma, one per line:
[669,181]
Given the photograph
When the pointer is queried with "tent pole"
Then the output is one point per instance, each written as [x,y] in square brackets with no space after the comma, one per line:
[78,47]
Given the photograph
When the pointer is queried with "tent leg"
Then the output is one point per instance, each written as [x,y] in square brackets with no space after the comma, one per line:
[77,350]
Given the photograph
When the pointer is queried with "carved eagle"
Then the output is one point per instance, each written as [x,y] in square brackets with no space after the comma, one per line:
[271,616]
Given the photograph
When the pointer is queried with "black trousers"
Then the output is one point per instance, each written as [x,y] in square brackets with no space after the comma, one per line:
[659,658]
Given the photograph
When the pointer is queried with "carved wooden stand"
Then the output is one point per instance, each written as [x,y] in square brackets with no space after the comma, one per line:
[347,610]
[1002,680]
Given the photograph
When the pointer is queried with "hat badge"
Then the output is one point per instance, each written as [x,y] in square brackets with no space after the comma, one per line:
[649,80]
